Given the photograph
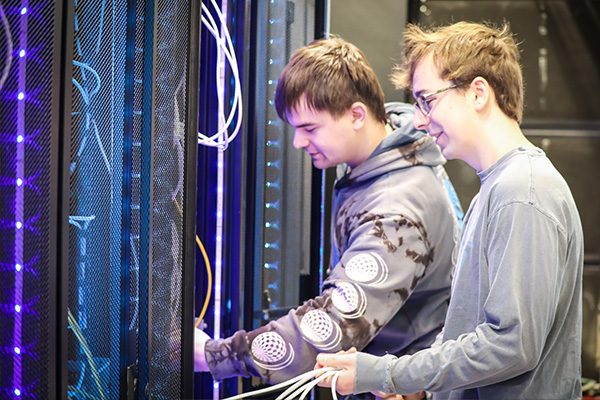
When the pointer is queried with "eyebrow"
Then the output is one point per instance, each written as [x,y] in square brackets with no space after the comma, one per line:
[419,93]
[304,125]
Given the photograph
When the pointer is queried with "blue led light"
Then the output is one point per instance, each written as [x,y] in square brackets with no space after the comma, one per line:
[24,10]
[21,96]
[18,308]
[19,138]
[18,267]
[19,181]
[272,205]
[17,392]
[18,225]
[22,53]
[17,350]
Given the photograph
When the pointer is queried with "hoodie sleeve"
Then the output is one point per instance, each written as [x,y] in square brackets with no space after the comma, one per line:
[385,257]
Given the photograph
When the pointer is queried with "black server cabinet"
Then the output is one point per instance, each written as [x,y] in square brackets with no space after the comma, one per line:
[268,242]
[98,122]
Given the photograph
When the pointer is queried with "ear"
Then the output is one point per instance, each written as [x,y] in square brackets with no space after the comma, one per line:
[482,93]
[359,112]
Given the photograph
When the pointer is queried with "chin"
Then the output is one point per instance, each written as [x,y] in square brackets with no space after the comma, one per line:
[319,165]
[447,153]
[322,164]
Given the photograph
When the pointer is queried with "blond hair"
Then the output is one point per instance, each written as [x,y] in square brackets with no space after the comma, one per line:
[464,51]
[330,74]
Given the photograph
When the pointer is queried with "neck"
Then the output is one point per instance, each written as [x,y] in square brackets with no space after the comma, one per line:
[372,134]
[498,136]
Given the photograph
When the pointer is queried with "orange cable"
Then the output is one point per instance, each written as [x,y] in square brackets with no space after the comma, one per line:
[209,273]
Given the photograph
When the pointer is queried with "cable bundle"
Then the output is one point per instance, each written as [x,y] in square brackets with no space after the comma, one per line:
[221,139]
[300,385]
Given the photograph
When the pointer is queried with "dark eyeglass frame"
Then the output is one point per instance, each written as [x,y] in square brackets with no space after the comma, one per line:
[423,105]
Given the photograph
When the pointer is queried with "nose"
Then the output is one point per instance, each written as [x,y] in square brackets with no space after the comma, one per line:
[420,120]
[300,141]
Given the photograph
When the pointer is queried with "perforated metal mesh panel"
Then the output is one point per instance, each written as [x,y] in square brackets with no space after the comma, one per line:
[168,192]
[136,162]
[96,173]
[25,132]
[106,131]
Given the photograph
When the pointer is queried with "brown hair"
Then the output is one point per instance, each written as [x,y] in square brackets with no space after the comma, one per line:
[332,74]
[464,51]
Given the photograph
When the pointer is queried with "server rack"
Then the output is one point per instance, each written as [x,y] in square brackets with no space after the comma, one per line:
[270,221]
[99,120]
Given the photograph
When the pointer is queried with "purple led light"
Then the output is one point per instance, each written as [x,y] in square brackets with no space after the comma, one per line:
[20,197]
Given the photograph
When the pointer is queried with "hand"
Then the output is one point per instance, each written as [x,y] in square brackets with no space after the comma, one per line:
[351,350]
[200,339]
[387,396]
[346,361]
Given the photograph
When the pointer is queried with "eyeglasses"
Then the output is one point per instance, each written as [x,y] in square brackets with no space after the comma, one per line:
[424,100]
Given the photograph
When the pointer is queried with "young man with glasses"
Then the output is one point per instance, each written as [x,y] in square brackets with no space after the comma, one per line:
[395,227]
[513,328]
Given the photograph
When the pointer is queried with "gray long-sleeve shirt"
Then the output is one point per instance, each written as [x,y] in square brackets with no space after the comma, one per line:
[513,329]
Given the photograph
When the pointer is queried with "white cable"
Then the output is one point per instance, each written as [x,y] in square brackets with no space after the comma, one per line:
[237,96]
[306,378]
[276,387]
[304,390]
[9,47]
[222,138]
[333,383]
[302,382]
[234,68]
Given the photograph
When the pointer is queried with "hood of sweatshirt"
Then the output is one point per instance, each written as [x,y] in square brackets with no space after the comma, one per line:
[404,147]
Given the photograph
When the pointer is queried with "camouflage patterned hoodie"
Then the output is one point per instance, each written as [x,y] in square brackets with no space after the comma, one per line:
[395,229]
